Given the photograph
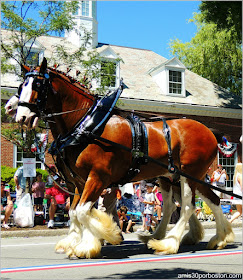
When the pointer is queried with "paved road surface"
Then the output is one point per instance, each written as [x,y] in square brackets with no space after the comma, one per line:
[34,258]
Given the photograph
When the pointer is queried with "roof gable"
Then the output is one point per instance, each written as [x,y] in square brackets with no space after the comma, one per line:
[34,44]
[109,53]
[173,62]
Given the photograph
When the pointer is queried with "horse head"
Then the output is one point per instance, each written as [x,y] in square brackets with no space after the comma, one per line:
[31,93]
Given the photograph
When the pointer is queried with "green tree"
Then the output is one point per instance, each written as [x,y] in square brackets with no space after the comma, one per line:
[225,14]
[214,54]
[53,18]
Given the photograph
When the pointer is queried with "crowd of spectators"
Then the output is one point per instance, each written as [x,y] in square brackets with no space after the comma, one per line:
[134,202]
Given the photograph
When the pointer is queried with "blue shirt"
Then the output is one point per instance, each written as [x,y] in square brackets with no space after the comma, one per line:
[22,180]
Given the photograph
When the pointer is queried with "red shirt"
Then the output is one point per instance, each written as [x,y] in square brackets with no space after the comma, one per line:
[58,194]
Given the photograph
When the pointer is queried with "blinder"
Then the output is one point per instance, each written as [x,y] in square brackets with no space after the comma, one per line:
[41,87]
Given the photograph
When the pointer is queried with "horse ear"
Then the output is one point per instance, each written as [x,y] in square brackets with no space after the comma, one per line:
[25,68]
[43,66]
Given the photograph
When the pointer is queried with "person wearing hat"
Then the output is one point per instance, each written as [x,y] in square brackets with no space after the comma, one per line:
[6,205]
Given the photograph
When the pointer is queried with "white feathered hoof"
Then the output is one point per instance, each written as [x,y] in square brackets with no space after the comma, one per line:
[104,227]
[167,246]
[216,243]
[88,250]
[230,236]
[64,244]
[220,240]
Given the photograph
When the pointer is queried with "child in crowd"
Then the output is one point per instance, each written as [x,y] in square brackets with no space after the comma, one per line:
[149,201]
[158,202]
[38,189]
[125,221]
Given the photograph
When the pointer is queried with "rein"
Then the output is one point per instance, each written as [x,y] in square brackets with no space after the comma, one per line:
[63,113]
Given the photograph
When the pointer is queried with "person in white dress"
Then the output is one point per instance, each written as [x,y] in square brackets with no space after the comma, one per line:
[237,189]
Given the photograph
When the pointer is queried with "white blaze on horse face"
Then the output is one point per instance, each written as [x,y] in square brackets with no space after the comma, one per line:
[11,105]
[24,113]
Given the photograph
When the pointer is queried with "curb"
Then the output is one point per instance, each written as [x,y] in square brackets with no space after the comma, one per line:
[64,231]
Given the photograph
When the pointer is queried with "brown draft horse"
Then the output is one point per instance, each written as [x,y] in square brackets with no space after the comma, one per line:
[99,165]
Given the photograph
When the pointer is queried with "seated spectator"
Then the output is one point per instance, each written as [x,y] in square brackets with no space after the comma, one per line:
[59,200]
[6,205]
[126,223]
[38,189]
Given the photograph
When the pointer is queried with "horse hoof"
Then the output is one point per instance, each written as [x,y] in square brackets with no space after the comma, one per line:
[167,246]
[87,251]
[144,238]
[230,237]
[189,240]
[60,251]
[216,244]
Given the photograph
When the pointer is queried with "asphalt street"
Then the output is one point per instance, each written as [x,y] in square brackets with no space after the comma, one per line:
[34,258]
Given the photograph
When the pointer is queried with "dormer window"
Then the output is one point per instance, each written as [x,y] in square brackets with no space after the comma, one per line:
[32,58]
[34,53]
[108,76]
[170,77]
[175,82]
[110,66]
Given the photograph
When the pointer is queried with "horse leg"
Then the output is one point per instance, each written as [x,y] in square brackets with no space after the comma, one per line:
[74,235]
[168,208]
[195,233]
[224,232]
[97,224]
[170,244]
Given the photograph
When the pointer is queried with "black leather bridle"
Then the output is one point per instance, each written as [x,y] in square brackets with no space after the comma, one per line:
[41,84]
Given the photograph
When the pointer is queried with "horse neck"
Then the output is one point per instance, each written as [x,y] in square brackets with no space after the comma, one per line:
[67,97]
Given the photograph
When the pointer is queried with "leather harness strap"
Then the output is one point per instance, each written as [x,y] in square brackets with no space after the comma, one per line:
[166,131]
[139,148]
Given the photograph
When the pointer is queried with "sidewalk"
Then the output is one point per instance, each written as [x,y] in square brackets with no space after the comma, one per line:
[44,231]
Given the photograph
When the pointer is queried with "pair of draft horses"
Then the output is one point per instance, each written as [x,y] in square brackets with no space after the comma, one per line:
[47,91]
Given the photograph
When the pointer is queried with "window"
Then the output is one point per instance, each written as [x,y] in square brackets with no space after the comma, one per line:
[33,58]
[228,164]
[20,154]
[85,8]
[175,82]
[108,73]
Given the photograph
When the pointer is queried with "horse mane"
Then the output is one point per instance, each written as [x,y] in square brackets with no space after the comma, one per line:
[71,80]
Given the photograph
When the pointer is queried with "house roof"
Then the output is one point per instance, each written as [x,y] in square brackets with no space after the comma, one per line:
[136,66]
